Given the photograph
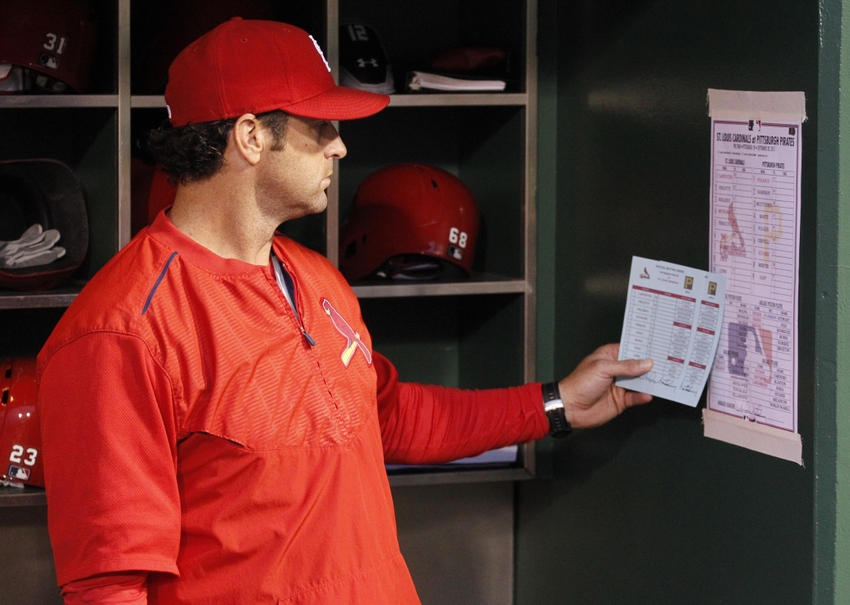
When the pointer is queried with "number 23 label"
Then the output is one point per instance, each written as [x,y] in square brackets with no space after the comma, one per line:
[18,457]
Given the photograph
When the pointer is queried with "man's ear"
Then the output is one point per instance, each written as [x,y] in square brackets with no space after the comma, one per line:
[249,138]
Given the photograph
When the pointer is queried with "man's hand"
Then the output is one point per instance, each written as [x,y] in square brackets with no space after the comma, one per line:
[589,394]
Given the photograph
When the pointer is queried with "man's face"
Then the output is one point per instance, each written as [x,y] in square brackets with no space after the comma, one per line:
[294,179]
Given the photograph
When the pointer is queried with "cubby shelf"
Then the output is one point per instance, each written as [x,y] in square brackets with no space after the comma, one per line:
[33,496]
[22,496]
[378,290]
[396,100]
[53,298]
[58,101]
[488,140]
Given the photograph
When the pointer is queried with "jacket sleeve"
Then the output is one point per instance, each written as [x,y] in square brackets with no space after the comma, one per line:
[108,589]
[110,455]
[426,424]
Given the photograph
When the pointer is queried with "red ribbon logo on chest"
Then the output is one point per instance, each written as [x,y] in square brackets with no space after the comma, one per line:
[352,338]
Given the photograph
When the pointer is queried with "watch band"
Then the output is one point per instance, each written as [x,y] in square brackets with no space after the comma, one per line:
[554,407]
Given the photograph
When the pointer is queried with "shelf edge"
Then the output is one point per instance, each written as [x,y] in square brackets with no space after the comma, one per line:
[457,99]
[11,496]
[36,300]
[57,101]
[449,477]
[445,289]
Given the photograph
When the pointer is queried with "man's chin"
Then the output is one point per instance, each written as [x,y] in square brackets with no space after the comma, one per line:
[319,206]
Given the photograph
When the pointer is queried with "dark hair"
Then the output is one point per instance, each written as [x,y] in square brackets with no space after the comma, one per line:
[196,151]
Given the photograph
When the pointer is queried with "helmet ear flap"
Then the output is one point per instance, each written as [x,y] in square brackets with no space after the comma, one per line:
[409,222]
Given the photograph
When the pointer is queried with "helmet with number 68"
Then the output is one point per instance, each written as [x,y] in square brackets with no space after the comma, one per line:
[20,436]
[409,222]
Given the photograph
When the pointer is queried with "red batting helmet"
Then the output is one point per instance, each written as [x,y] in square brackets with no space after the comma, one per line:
[20,435]
[44,192]
[409,221]
[46,44]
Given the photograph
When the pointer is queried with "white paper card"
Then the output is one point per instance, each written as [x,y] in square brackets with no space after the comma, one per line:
[673,315]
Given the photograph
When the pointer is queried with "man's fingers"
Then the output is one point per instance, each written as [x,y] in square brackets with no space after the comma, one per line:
[634,398]
[628,367]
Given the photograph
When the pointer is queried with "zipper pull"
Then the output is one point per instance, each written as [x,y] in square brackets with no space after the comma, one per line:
[307,337]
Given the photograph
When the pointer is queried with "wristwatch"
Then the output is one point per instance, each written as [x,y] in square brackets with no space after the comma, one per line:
[554,407]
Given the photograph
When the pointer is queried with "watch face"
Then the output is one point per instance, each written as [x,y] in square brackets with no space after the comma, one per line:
[552,405]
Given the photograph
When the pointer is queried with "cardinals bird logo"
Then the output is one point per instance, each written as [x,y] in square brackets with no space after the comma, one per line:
[352,338]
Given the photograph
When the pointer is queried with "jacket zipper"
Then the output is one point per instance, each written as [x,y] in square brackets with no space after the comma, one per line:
[295,293]
[295,303]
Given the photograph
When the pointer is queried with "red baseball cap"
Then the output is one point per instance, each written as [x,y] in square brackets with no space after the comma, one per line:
[251,66]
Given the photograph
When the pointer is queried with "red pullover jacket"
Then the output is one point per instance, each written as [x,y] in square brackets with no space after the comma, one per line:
[197,429]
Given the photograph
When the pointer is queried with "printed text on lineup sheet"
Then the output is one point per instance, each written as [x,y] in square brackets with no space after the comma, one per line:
[754,242]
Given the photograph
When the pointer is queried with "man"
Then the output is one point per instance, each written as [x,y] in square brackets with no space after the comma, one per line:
[215,421]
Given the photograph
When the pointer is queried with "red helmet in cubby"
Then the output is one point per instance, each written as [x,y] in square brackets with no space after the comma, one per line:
[408,222]
[20,434]
[48,45]
[43,192]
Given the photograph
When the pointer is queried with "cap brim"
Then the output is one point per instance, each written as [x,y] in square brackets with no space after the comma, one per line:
[339,103]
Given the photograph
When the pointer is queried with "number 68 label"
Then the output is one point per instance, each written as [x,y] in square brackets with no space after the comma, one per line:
[18,456]
[456,236]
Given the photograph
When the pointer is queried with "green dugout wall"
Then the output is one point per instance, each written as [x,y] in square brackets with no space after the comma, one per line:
[646,509]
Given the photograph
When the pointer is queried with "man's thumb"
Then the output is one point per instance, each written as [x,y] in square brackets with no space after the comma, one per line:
[635,367]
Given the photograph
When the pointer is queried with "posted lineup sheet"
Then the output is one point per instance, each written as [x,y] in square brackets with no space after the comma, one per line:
[754,241]
[674,315]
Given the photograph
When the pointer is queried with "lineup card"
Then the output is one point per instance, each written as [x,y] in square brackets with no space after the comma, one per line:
[673,315]
[755,214]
